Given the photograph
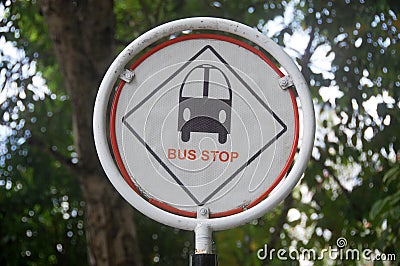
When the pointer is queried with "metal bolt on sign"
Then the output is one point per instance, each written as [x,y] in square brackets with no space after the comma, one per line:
[203,128]
[286,82]
[127,75]
[203,212]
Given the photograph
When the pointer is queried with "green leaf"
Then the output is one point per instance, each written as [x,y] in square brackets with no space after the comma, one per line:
[378,208]
[391,175]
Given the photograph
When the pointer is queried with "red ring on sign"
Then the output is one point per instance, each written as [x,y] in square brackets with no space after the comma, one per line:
[162,205]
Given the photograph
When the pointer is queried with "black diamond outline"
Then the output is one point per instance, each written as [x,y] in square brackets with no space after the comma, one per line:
[160,161]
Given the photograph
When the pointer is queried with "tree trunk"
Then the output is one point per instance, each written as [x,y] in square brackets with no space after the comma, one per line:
[82,34]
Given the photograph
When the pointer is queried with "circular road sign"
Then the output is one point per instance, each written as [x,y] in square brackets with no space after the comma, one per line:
[203,121]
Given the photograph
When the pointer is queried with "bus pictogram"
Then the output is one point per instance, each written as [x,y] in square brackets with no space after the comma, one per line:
[209,113]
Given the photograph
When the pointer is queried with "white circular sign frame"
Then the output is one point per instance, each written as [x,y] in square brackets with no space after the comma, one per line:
[202,23]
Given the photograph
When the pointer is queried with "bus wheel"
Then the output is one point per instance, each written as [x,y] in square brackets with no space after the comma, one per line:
[222,138]
[185,136]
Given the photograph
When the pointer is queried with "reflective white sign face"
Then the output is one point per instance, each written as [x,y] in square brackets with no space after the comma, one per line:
[204,122]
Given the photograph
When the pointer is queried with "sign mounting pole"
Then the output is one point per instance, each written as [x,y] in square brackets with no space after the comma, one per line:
[203,255]
[204,128]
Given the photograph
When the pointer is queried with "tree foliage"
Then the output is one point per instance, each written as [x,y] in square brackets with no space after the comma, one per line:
[349,56]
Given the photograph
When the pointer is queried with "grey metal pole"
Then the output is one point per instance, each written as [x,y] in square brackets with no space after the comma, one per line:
[203,242]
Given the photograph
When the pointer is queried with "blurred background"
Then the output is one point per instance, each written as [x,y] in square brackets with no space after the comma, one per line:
[58,208]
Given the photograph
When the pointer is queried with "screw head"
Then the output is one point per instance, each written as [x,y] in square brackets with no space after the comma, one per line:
[203,211]
[128,75]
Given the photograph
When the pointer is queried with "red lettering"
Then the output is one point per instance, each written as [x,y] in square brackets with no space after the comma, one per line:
[223,154]
[192,155]
[205,156]
[171,154]
[180,156]
[234,155]
[214,153]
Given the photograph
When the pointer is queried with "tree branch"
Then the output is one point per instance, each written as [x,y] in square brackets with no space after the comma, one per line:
[346,193]
[308,52]
[287,204]
[146,11]
[65,162]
